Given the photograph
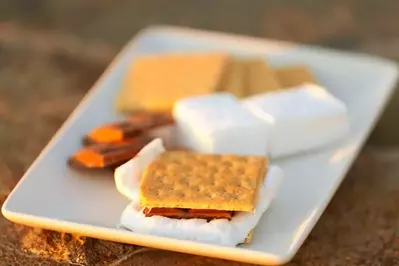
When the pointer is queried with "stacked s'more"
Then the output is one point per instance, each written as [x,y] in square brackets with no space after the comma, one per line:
[208,198]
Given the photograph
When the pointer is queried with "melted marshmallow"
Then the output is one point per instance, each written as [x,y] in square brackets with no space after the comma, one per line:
[218,231]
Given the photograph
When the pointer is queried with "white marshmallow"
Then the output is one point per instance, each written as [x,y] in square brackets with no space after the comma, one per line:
[218,123]
[220,231]
[300,119]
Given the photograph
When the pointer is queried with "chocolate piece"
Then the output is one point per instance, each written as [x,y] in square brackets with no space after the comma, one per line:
[177,213]
[134,126]
[152,119]
[102,156]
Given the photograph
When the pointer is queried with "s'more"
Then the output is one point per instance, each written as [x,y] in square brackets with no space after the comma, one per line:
[200,197]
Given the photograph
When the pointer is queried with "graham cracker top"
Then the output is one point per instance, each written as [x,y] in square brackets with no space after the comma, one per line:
[179,179]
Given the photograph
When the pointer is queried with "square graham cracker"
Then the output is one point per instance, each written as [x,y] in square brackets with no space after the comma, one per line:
[156,81]
[260,77]
[292,76]
[234,79]
[247,77]
[178,179]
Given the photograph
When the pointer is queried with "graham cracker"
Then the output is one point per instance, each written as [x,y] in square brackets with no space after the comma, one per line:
[292,76]
[156,81]
[179,179]
[234,79]
[260,77]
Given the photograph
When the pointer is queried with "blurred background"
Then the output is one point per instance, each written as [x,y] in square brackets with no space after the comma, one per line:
[51,52]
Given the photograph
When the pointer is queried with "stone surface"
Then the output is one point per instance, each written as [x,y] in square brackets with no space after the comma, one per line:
[50,56]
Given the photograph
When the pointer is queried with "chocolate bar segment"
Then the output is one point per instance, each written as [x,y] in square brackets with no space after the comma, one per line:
[107,155]
[112,133]
[177,213]
[134,126]
[150,120]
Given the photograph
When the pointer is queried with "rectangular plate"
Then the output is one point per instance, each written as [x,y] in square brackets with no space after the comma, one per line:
[52,196]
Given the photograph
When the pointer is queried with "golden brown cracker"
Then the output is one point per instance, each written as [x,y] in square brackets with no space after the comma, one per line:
[260,77]
[292,76]
[156,81]
[234,79]
[202,181]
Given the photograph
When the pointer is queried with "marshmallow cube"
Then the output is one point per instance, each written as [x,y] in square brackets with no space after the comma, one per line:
[301,118]
[218,123]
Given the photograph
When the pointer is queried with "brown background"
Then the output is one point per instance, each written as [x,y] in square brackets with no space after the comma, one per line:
[51,52]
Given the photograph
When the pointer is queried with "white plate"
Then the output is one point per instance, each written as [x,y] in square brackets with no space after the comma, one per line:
[54,197]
